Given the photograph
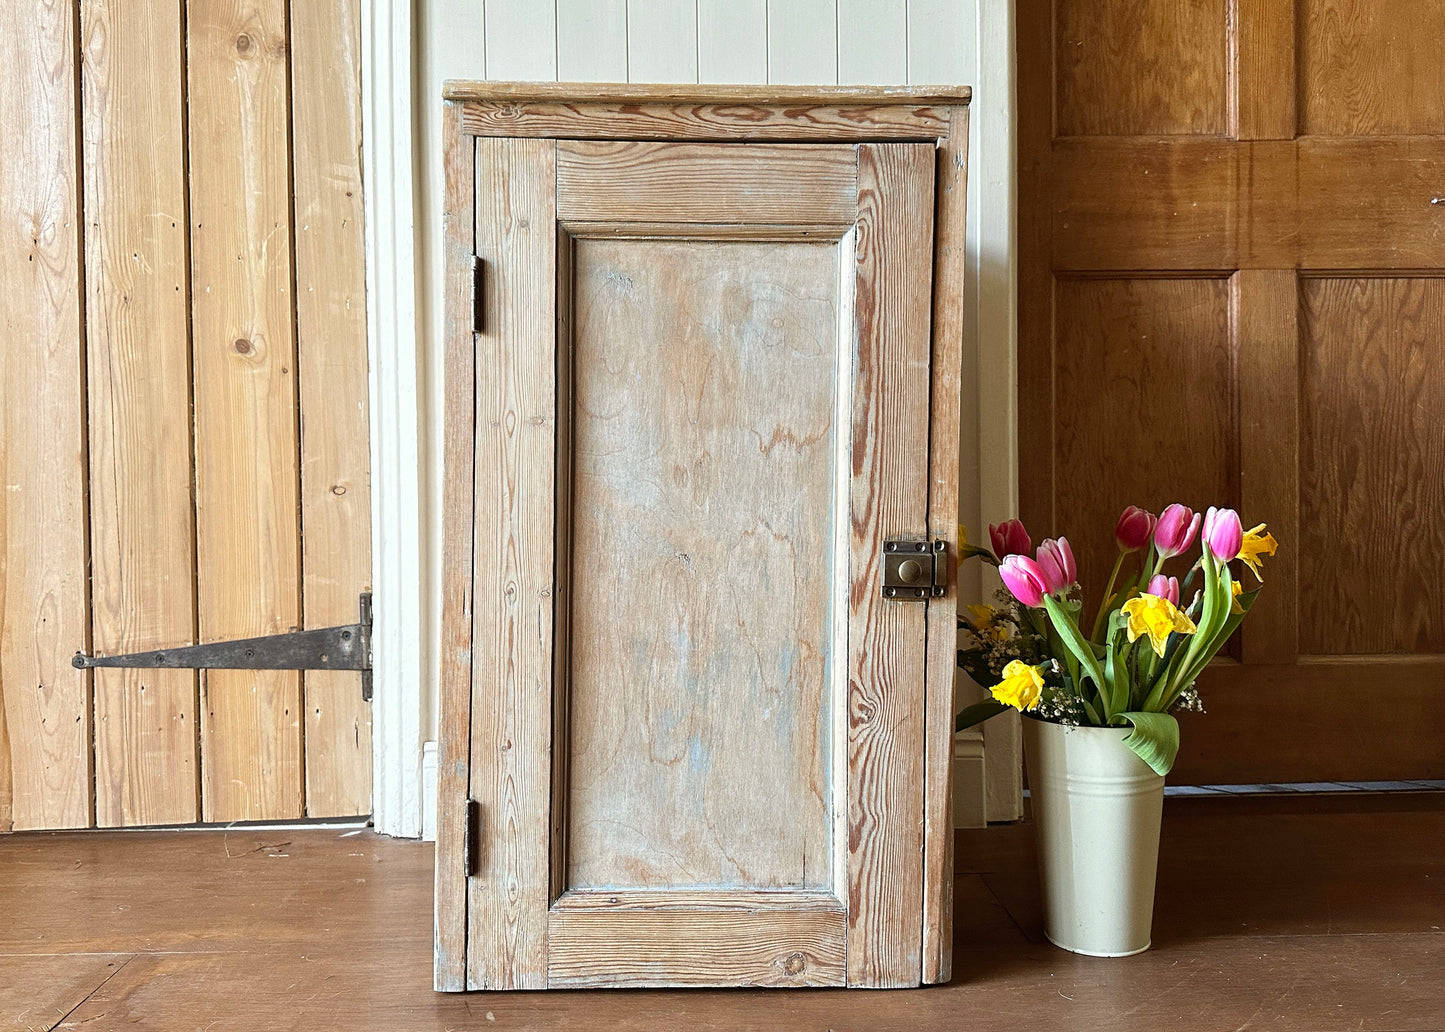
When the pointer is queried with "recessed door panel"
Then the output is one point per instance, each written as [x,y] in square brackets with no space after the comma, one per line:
[706,579]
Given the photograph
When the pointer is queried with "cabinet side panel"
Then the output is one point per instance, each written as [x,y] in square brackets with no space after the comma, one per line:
[454,732]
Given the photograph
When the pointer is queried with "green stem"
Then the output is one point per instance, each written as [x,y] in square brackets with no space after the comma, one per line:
[1104,602]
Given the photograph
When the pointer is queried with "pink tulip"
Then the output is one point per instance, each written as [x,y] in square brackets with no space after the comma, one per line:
[1023,577]
[1134,529]
[1223,533]
[1009,538]
[1164,587]
[1174,533]
[1056,559]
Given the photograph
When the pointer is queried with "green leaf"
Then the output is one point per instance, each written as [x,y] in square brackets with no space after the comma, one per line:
[1077,644]
[1155,739]
[978,713]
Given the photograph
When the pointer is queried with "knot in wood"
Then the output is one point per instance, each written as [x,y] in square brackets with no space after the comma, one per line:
[244,346]
[795,964]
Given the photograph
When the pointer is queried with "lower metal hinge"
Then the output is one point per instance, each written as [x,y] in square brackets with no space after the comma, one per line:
[914,571]
[330,648]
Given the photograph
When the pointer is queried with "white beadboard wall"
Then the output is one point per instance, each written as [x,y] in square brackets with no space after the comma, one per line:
[854,42]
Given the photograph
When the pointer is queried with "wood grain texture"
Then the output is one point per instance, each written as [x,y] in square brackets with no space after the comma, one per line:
[946,368]
[697,902]
[512,643]
[332,365]
[458,515]
[888,497]
[1371,69]
[705,378]
[1332,737]
[706,182]
[680,948]
[142,524]
[1372,448]
[1346,906]
[688,94]
[244,358]
[1127,67]
[1160,350]
[1265,320]
[1263,52]
[739,120]
[38,992]
[43,556]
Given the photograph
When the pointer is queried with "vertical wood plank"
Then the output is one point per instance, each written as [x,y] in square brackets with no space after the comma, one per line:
[455,729]
[592,40]
[886,653]
[873,42]
[137,332]
[454,732]
[1266,329]
[521,40]
[732,41]
[42,416]
[803,42]
[244,360]
[942,39]
[331,352]
[514,583]
[1263,50]
[950,258]
[661,41]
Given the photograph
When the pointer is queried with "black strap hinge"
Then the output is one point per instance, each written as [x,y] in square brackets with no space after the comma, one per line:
[329,648]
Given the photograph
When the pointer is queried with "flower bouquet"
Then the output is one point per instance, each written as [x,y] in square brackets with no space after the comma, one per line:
[1098,683]
[1037,650]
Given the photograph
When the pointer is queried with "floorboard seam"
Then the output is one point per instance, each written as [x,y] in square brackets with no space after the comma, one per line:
[66,1016]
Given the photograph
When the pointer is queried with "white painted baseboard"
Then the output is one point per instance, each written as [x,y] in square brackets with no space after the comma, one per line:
[968,780]
[429,792]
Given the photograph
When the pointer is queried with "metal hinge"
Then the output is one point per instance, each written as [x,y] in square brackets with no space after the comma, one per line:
[472,838]
[331,648]
[913,571]
[478,298]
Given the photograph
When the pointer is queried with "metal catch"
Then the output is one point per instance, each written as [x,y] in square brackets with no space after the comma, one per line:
[914,571]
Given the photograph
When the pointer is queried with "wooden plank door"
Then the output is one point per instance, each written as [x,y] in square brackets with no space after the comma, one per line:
[1231,292]
[702,401]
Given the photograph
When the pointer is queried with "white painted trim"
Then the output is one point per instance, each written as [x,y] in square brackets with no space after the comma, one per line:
[992,246]
[398,626]
[429,792]
[969,809]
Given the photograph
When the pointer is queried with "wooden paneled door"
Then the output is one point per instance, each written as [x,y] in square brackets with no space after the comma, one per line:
[1232,255]
[698,736]
[183,397]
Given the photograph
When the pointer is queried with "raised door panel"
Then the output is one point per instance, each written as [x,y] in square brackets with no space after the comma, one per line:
[702,403]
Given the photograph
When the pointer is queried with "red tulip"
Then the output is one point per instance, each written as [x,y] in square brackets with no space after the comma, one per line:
[1223,533]
[1009,538]
[1174,533]
[1056,559]
[1134,529]
[1164,587]
[1024,579]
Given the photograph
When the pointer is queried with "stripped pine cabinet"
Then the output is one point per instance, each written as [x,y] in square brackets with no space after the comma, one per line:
[700,376]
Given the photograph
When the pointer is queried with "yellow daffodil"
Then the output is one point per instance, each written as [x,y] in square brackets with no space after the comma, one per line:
[1234,606]
[1156,617]
[1021,687]
[1257,543]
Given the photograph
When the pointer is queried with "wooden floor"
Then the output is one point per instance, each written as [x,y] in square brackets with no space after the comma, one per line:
[1304,913]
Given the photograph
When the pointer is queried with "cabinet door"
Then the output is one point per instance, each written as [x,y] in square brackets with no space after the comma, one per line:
[702,404]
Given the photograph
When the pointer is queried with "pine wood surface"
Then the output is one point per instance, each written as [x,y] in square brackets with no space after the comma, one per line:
[45,730]
[706,182]
[142,524]
[247,528]
[458,497]
[888,495]
[333,391]
[513,602]
[699,732]
[1291,914]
